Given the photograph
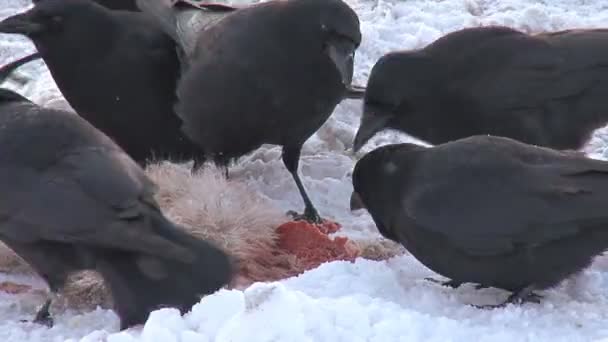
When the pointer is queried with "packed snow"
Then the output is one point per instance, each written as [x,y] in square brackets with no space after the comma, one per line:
[342,301]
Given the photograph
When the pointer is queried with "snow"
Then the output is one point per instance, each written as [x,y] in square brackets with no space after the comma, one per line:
[340,301]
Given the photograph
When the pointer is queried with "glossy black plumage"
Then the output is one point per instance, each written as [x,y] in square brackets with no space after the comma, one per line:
[269,73]
[73,200]
[117,69]
[547,89]
[489,210]
[125,5]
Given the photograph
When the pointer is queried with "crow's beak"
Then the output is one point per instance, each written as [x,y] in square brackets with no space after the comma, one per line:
[355,202]
[20,24]
[342,53]
[371,124]
[7,69]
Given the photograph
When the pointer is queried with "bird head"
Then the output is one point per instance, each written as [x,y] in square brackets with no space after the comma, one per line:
[50,18]
[374,173]
[398,83]
[341,34]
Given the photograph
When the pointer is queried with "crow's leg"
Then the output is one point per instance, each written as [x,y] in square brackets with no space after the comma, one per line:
[196,165]
[226,172]
[217,159]
[43,316]
[453,283]
[291,159]
[525,295]
[449,283]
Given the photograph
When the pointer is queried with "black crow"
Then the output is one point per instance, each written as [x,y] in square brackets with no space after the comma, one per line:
[117,69]
[269,73]
[73,200]
[547,89]
[489,210]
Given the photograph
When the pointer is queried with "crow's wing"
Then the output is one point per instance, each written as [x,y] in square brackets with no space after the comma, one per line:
[488,208]
[519,72]
[184,20]
[92,196]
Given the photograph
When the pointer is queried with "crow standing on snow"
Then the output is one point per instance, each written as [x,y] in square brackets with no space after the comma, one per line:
[117,69]
[489,210]
[547,89]
[270,73]
[73,200]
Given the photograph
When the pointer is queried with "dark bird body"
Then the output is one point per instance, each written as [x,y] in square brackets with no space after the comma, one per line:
[547,89]
[124,5]
[117,69]
[489,210]
[270,73]
[73,200]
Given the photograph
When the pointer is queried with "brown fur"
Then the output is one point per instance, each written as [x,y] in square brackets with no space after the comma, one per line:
[223,211]
[379,249]
[227,213]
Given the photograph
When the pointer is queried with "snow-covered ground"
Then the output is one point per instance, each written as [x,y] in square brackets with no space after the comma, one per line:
[341,301]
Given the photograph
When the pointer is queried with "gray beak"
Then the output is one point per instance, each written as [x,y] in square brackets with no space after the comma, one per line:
[342,53]
[355,202]
[20,24]
[7,69]
[370,125]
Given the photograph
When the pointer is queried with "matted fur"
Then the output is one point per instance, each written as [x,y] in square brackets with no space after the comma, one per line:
[226,213]
[11,263]
[379,249]
[222,211]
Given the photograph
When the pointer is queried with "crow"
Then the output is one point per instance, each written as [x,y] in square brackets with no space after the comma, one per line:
[489,210]
[73,200]
[547,89]
[269,73]
[117,69]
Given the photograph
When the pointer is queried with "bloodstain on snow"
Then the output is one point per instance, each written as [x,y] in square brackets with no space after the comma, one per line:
[312,246]
[300,246]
